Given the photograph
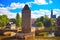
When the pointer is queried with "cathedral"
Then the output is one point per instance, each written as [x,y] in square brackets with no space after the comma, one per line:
[53,16]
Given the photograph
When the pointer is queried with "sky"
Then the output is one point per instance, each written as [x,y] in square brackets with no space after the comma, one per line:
[38,7]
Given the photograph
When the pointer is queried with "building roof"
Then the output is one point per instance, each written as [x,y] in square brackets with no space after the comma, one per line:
[26,7]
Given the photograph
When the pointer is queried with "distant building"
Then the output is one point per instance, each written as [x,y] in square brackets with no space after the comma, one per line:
[33,22]
[11,26]
[8,25]
[53,16]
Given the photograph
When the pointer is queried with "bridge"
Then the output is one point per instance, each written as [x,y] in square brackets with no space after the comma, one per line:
[49,31]
[2,31]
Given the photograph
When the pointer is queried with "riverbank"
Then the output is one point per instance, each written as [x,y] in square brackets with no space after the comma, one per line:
[47,38]
[36,38]
[2,37]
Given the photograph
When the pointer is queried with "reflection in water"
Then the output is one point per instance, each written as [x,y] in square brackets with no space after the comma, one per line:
[51,35]
[13,39]
[48,37]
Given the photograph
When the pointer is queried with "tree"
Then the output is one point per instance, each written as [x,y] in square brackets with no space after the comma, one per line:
[12,20]
[52,22]
[41,24]
[42,19]
[17,20]
[53,26]
[46,17]
[38,20]
[20,21]
[0,21]
[47,23]
[3,20]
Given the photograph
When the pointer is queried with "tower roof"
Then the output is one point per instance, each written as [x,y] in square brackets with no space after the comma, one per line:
[26,7]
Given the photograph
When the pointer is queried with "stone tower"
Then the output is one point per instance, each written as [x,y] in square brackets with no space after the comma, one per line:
[26,19]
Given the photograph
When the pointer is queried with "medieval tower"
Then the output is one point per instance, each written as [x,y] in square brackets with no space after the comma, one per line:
[26,19]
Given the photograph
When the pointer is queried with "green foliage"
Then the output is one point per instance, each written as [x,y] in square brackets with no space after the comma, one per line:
[53,24]
[3,20]
[18,20]
[46,21]
[52,21]
[13,20]
[39,24]
[38,20]
[42,19]
[46,17]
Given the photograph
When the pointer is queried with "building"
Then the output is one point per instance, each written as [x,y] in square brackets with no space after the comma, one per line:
[53,16]
[26,25]
[57,26]
[26,19]
[58,23]
[11,26]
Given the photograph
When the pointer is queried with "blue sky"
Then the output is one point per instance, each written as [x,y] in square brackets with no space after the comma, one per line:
[38,7]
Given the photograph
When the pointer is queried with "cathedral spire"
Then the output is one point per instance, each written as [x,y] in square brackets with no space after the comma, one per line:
[51,13]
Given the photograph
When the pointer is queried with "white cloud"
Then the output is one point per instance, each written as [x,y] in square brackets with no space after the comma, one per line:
[39,2]
[7,12]
[56,12]
[16,5]
[34,14]
[21,5]
[1,5]
[39,13]
[50,1]
[28,3]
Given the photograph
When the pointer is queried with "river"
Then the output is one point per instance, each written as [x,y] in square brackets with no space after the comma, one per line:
[48,37]
[36,38]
